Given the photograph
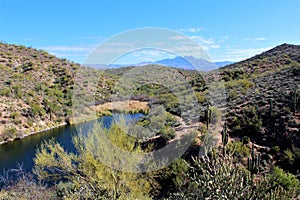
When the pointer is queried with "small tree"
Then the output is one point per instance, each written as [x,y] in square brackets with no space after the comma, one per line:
[88,170]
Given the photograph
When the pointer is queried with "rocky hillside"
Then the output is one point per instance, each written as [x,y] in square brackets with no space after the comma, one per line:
[263,102]
[35,90]
[285,55]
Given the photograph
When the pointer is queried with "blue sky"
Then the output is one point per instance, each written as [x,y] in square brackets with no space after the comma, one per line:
[227,30]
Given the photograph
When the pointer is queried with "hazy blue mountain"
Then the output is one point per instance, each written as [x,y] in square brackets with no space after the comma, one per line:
[187,62]
[223,63]
[191,63]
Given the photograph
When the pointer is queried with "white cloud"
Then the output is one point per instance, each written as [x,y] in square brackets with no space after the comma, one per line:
[202,40]
[204,43]
[178,37]
[191,30]
[146,55]
[260,38]
[215,46]
[238,54]
[256,39]
[149,52]
[157,43]
[81,52]
[116,44]
[225,37]
[81,48]
[66,55]
[183,45]
[87,48]
[143,55]
[75,53]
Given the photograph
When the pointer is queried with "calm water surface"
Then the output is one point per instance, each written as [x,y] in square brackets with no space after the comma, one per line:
[23,151]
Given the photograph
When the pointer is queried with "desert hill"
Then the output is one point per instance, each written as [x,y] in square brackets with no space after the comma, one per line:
[35,90]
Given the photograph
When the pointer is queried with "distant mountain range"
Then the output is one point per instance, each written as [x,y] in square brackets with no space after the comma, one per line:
[191,63]
[187,62]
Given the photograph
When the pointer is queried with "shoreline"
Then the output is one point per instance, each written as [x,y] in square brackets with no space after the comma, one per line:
[32,133]
[105,109]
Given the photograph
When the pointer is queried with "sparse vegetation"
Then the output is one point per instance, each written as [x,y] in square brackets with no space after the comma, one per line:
[260,138]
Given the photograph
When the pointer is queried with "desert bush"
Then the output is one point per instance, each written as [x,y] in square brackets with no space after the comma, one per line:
[286,180]
[173,177]
[289,156]
[239,150]
[201,97]
[90,177]
[218,177]
[167,133]
[10,132]
[276,149]
[242,84]
[215,115]
[249,123]
[16,184]
[232,94]
[14,115]
[5,91]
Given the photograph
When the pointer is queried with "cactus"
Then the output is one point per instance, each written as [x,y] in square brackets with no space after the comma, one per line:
[295,101]
[224,131]
[225,137]
[271,108]
[208,115]
[253,162]
[257,160]
[220,177]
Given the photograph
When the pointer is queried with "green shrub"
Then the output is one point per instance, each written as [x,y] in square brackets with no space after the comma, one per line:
[201,97]
[10,133]
[167,133]
[215,115]
[249,123]
[276,149]
[289,156]
[286,180]
[14,115]
[5,91]
[232,94]
[240,150]
[173,177]
[245,140]
[35,108]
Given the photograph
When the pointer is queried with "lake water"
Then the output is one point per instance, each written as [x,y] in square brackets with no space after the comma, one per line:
[23,151]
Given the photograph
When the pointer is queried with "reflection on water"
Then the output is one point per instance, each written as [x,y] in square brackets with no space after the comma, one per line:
[23,151]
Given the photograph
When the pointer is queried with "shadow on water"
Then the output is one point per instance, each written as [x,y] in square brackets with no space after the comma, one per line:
[23,151]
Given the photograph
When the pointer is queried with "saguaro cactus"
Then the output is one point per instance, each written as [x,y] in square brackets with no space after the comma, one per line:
[253,162]
[208,115]
[295,100]
[271,108]
[225,137]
